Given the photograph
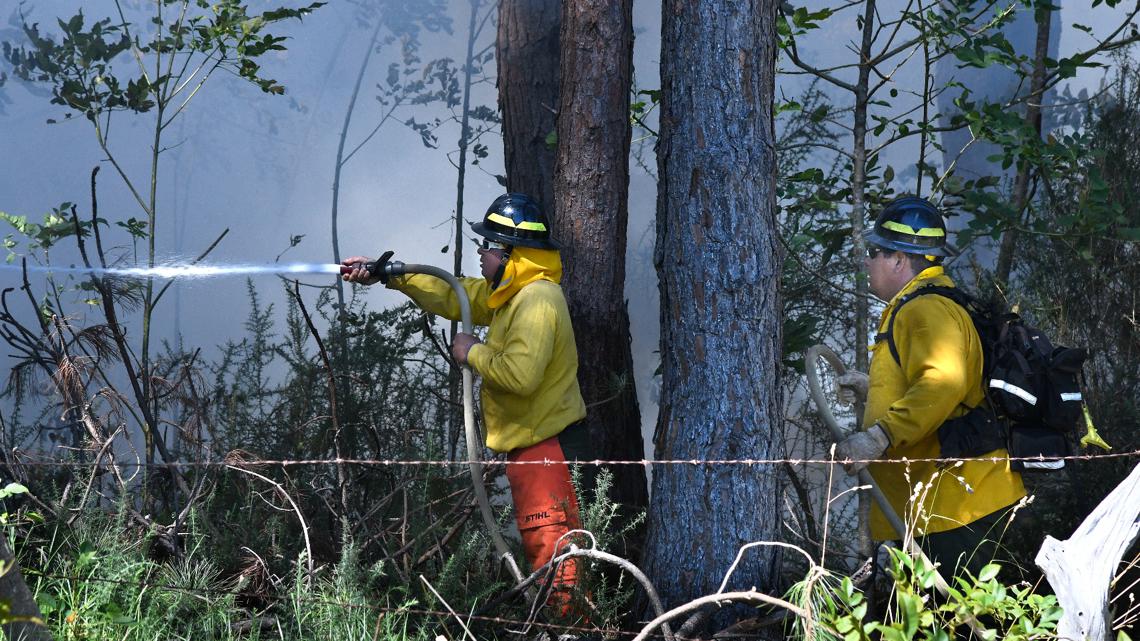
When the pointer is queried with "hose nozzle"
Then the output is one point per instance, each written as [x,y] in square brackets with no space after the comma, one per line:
[381,267]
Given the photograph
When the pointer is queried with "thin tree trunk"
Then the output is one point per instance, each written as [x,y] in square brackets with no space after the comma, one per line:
[455,418]
[719,266]
[591,185]
[858,247]
[1033,118]
[528,76]
[858,190]
[334,214]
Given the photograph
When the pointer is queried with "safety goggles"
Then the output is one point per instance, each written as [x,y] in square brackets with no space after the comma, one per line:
[489,244]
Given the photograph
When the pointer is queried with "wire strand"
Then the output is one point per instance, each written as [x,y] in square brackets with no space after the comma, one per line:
[596,462]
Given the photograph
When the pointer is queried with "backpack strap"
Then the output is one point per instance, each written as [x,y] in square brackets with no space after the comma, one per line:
[953,293]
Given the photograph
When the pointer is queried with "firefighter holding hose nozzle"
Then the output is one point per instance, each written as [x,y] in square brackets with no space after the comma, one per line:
[532,405]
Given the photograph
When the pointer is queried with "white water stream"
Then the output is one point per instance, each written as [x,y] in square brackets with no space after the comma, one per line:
[183,271]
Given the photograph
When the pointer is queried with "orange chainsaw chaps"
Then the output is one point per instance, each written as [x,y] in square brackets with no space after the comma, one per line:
[545,509]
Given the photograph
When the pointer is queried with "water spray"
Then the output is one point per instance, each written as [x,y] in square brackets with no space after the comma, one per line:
[184,271]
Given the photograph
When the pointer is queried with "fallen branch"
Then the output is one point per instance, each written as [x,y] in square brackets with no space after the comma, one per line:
[1081,567]
[591,553]
[749,596]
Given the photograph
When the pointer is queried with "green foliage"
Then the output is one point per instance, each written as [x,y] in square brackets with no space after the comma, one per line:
[964,31]
[830,600]
[81,66]
[99,581]
[1007,612]
[798,21]
[40,237]
[607,594]
[812,229]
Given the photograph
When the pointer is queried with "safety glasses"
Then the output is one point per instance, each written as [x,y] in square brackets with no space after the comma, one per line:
[488,244]
[874,250]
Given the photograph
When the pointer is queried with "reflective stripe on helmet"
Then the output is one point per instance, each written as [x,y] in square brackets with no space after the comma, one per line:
[507,222]
[907,229]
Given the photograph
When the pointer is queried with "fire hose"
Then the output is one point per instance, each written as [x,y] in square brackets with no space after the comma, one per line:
[811,360]
[474,441]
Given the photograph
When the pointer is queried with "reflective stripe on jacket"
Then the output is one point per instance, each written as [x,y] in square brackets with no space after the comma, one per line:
[528,360]
[940,377]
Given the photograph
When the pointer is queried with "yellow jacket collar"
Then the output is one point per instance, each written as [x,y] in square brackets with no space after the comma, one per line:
[921,279]
[935,275]
[525,266]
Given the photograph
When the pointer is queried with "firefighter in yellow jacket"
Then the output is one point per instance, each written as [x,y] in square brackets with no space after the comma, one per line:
[532,406]
[920,394]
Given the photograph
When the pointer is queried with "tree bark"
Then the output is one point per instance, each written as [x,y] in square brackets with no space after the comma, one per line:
[528,73]
[719,265]
[591,185]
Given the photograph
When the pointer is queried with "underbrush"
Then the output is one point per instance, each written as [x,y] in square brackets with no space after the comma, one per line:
[105,576]
[100,580]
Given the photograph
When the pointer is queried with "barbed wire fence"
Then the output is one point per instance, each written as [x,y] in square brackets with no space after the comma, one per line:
[31,460]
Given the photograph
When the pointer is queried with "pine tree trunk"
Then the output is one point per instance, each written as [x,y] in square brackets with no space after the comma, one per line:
[591,184]
[527,57]
[719,267]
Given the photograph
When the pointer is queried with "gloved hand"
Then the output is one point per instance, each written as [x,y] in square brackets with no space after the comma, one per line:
[862,446]
[362,268]
[852,387]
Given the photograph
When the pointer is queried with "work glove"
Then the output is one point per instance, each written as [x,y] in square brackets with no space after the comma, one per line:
[852,388]
[860,447]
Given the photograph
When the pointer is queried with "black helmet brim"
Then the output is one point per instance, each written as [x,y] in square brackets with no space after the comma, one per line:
[534,243]
[872,237]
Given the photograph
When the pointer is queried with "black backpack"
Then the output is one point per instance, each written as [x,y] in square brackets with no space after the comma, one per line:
[1033,388]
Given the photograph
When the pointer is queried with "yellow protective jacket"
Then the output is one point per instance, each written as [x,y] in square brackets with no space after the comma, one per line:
[528,361]
[940,377]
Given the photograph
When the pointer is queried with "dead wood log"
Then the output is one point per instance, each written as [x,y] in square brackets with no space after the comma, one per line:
[1081,567]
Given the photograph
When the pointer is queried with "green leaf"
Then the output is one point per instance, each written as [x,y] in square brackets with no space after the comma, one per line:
[12,489]
[87,555]
[909,605]
[791,106]
[1128,233]
[989,572]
